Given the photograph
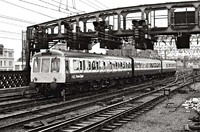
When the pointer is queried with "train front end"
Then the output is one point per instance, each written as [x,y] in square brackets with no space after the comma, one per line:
[47,72]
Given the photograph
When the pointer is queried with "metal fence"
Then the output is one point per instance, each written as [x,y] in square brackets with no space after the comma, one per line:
[10,79]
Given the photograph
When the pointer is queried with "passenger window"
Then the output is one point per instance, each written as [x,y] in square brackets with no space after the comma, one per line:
[121,65]
[84,65]
[55,65]
[110,65]
[97,65]
[93,65]
[36,65]
[76,65]
[100,65]
[113,65]
[66,65]
[89,65]
[81,65]
[104,65]
[129,65]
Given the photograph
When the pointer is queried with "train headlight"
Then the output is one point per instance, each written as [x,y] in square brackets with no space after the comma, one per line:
[53,85]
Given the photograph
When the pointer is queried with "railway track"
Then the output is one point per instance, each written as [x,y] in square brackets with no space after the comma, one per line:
[12,104]
[63,107]
[110,117]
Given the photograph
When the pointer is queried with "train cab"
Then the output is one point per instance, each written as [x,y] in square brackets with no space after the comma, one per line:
[47,69]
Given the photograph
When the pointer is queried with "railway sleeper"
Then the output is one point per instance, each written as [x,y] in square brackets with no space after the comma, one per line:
[122,121]
[106,130]
[117,124]
[126,119]
[111,126]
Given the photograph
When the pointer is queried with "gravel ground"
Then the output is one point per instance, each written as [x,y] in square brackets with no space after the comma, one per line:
[162,118]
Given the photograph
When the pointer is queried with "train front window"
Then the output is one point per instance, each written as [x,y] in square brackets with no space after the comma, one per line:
[55,65]
[45,65]
[36,65]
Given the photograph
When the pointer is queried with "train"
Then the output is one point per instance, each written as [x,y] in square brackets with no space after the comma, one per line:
[53,71]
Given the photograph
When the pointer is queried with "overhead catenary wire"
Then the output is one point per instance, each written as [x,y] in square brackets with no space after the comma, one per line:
[73,3]
[94,4]
[56,6]
[16,19]
[10,32]
[27,9]
[88,4]
[102,4]
[68,6]
[43,6]
[60,4]
[13,24]
[10,38]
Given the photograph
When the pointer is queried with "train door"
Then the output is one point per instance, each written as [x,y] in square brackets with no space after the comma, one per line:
[101,68]
[67,69]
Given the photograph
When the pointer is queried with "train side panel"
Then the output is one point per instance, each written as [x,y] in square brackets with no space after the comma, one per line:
[169,66]
[146,66]
[84,69]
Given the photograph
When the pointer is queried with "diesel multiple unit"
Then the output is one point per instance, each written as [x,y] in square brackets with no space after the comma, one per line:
[55,70]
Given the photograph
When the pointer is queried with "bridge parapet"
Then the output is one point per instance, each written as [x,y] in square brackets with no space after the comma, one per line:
[10,79]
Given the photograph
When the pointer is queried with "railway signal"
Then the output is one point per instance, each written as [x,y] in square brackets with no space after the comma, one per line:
[139,32]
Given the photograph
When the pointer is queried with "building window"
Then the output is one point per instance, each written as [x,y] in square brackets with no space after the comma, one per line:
[5,53]
[4,63]
[9,54]
[16,67]
[0,63]
[23,66]
[10,63]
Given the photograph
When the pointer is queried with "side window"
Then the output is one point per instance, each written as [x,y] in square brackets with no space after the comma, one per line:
[89,65]
[76,65]
[93,65]
[129,65]
[55,65]
[110,65]
[104,65]
[113,65]
[66,65]
[121,65]
[80,65]
[83,64]
[100,65]
[36,65]
[97,65]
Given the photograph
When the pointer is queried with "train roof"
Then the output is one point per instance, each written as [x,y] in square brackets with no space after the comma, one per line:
[76,54]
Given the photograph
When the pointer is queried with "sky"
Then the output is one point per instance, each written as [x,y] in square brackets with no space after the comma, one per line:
[16,15]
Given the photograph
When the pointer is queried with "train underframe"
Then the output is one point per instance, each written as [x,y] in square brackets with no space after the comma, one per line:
[56,89]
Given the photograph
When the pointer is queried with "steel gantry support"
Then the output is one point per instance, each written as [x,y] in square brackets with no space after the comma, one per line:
[49,33]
